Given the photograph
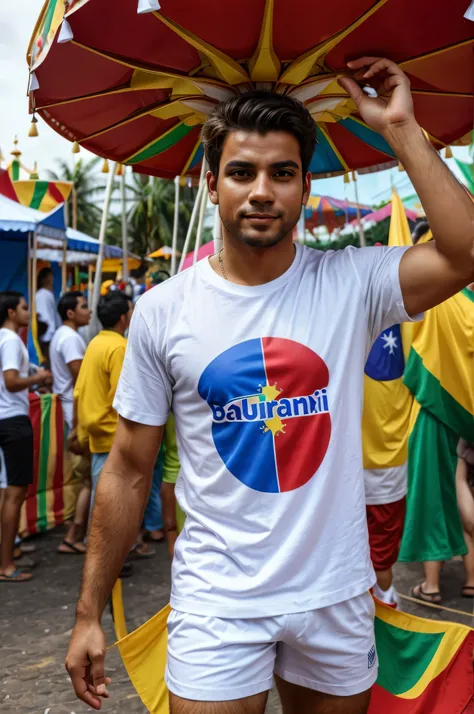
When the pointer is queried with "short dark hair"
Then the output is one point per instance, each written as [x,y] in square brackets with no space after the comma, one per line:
[68,301]
[259,111]
[42,275]
[421,228]
[9,300]
[111,307]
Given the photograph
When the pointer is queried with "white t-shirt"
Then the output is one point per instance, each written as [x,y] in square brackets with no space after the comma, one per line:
[66,346]
[47,312]
[13,355]
[266,385]
[383,486]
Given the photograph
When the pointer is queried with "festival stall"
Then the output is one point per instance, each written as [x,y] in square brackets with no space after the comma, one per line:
[331,212]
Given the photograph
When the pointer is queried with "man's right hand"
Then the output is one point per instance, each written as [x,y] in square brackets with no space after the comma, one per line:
[45,377]
[85,662]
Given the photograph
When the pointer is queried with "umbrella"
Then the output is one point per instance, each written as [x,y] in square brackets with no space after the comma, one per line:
[133,80]
[331,212]
[163,252]
[382,213]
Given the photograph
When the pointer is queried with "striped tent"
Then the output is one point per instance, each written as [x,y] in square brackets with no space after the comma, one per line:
[42,195]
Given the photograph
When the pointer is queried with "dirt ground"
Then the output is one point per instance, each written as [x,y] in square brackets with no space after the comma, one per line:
[36,621]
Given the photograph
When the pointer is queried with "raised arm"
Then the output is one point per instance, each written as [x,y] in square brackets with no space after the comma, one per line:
[121,498]
[430,273]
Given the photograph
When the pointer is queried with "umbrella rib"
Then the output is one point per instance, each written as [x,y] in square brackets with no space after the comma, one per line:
[333,146]
[151,108]
[154,141]
[230,71]
[440,93]
[265,65]
[191,157]
[435,53]
[300,68]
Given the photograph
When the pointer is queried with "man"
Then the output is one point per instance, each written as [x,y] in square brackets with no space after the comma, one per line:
[261,351]
[46,309]
[16,433]
[98,379]
[66,352]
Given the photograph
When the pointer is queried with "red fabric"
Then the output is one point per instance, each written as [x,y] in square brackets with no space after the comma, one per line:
[385,524]
[58,478]
[204,252]
[31,498]
[452,692]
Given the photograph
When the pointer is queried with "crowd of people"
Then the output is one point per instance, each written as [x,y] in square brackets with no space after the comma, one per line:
[85,378]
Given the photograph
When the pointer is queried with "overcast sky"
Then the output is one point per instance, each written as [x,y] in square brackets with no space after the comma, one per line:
[17,20]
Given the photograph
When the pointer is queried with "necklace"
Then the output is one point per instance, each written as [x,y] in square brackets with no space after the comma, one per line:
[221,264]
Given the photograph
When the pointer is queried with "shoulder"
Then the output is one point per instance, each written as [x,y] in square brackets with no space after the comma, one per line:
[156,303]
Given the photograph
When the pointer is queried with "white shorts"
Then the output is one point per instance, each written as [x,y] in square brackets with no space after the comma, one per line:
[331,650]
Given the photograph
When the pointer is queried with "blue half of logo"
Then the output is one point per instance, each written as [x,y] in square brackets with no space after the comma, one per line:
[386,361]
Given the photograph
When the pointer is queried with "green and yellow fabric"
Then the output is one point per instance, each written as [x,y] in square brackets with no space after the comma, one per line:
[440,375]
[425,667]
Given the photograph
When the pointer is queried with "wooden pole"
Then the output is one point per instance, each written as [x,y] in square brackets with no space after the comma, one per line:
[94,326]
[174,242]
[64,268]
[359,219]
[74,208]
[124,229]
[89,282]
[194,214]
[217,231]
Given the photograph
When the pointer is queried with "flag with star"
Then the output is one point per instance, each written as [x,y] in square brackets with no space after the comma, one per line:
[387,401]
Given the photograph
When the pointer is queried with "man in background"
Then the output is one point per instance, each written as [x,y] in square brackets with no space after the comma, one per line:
[16,433]
[97,381]
[46,311]
[66,352]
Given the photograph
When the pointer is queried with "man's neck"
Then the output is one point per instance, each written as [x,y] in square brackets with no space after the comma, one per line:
[116,329]
[246,265]
[71,324]
[10,325]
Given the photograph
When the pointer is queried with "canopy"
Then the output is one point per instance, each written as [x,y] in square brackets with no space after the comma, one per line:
[133,80]
[21,220]
[382,213]
[204,252]
[331,212]
[164,252]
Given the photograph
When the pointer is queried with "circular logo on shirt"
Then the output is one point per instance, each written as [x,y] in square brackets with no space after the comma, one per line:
[271,423]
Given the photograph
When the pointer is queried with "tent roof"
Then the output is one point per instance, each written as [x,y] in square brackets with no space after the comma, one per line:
[22,219]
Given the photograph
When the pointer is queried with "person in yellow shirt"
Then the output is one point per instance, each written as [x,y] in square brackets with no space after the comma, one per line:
[95,418]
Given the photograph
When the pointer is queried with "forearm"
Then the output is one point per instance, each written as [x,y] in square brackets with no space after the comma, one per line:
[118,511]
[21,383]
[448,207]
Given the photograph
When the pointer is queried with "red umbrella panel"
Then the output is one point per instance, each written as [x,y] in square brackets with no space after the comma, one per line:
[133,80]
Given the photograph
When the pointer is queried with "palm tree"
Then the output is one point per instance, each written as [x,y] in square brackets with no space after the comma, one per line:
[150,213]
[87,190]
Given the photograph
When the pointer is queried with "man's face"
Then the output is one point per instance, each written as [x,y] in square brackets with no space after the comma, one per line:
[22,315]
[260,189]
[82,313]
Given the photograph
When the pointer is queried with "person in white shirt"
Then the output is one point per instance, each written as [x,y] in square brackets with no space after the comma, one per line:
[46,310]
[66,352]
[16,433]
[260,351]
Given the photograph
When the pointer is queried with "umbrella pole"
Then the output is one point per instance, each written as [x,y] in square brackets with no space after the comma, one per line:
[359,220]
[200,227]
[74,208]
[28,264]
[64,269]
[217,231]
[94,326]
[89,282]
[174,242]
[192,220]
[301,226]
[124,229]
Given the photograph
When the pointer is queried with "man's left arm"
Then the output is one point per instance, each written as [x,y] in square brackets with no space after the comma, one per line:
[429,273]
